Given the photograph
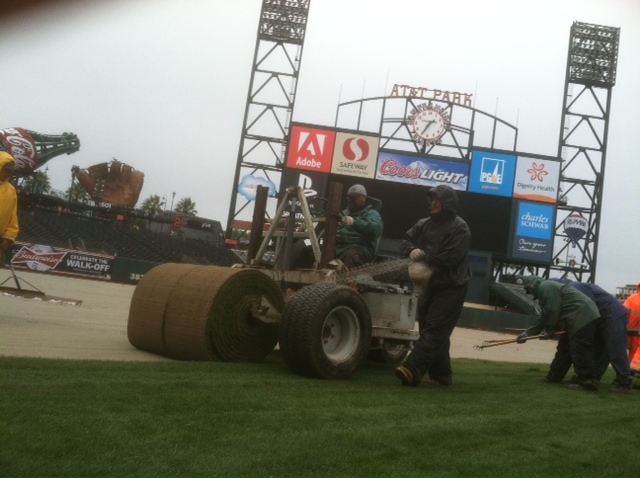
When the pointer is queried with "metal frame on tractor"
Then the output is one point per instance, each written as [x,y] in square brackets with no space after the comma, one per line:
[392,306]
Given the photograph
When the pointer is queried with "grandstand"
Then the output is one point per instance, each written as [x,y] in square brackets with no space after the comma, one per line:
[51,221]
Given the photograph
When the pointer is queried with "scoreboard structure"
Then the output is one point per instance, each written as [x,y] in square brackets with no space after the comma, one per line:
[417,128]
[507,197]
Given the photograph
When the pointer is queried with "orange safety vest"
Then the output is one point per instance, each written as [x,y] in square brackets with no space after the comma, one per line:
[633,304]
[635,361]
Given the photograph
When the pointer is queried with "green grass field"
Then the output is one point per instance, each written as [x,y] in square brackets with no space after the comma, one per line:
[89,418]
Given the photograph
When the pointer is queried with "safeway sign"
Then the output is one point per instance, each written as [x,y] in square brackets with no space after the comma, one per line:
[355,155]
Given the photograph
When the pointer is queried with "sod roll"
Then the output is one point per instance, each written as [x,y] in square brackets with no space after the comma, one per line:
[145,326]
[207,313]
[187,314]
[234,334]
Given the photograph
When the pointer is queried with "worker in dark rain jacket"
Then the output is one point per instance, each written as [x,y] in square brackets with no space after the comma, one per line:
[442,242]
[564,308]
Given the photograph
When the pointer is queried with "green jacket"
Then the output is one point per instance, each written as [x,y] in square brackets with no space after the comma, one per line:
[366,230]
[563,307]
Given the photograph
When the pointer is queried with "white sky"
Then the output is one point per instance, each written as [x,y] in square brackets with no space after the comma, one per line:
[162,84]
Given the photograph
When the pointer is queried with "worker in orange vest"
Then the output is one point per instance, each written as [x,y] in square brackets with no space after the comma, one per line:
[633,304]
[635,362]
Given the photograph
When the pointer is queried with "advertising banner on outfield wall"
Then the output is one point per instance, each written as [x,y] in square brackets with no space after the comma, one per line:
[42,258]
[311,149]
[492,173]
[248,187]
[533,232]
[406,169]
[355,155]
[313,184]
[537,180]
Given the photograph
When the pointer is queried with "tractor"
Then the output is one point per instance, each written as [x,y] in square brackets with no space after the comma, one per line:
[326,320]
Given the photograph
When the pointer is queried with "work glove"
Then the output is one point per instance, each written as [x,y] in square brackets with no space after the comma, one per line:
[522,338]
[416,255]
[347,220]
[546,336]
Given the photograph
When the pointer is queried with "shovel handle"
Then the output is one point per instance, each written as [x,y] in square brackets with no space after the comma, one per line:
[512,341]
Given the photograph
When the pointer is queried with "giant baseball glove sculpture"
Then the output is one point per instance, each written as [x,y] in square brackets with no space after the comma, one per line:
[115,183]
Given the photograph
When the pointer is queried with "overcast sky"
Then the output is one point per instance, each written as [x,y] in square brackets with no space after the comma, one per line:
[162,84]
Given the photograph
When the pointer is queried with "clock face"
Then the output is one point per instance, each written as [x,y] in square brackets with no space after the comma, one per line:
[429,125]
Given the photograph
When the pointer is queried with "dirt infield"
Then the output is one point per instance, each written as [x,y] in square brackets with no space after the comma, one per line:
[97,328]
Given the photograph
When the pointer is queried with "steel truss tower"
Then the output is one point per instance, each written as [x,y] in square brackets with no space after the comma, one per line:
[590,76]
[270,102]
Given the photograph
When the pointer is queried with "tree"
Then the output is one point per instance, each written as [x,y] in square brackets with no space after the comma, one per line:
[186,207]
[76,193]
[37,183]
[153,205]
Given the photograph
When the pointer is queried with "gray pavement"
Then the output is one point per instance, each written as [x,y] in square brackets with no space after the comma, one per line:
[97,328]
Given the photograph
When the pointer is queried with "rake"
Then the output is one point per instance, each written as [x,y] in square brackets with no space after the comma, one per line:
[495,343]
[32,293]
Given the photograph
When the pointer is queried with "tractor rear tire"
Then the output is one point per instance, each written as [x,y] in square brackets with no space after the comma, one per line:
[325,331]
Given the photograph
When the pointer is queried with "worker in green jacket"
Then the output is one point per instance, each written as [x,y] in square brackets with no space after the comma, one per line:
[359,232]
[564,308]
[360,228]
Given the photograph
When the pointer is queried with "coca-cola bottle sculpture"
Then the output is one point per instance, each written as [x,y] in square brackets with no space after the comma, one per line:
[31,150]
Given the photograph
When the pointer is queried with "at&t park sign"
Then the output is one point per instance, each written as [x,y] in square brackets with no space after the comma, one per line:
[462,99]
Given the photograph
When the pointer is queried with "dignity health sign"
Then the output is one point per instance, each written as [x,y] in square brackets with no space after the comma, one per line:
[537,180]
[533,238]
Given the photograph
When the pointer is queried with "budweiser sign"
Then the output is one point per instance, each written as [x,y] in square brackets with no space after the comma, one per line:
[38,258]
[43,258]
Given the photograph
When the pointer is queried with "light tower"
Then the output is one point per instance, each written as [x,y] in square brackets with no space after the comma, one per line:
[590,77]
[270,102]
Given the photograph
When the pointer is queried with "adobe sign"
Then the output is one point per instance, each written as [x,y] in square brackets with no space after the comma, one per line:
[311,149]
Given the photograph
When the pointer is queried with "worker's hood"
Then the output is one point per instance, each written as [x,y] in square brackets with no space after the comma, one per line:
[449,200]
[447,196]
[5,158]
[532,284]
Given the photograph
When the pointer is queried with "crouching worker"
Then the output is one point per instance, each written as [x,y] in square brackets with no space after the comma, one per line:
[613,335]
[564,308]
